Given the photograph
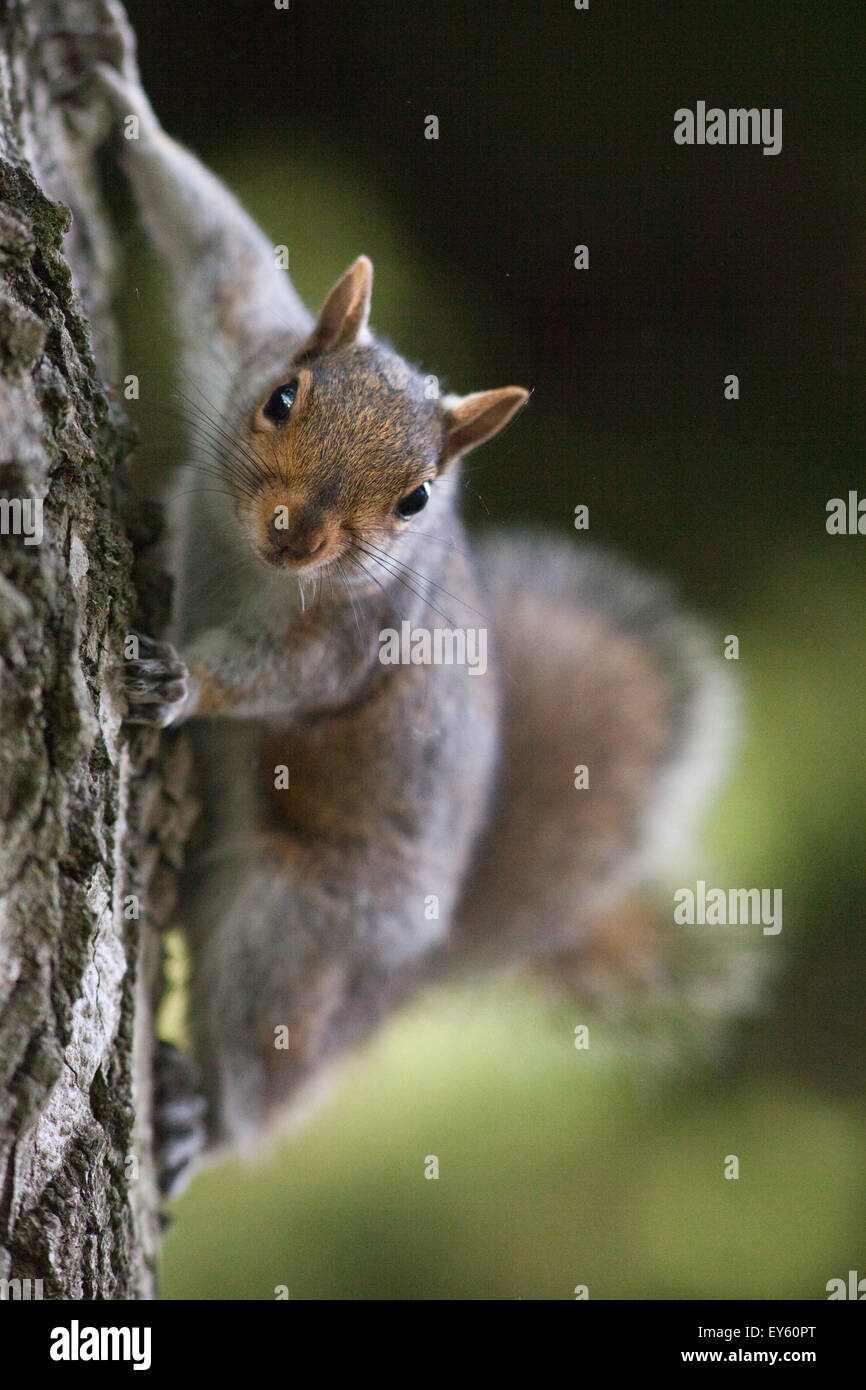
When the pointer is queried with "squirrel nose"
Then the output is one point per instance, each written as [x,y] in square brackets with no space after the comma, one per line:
[303,539]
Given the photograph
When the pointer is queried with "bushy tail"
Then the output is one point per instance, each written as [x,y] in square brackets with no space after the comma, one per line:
[616,730]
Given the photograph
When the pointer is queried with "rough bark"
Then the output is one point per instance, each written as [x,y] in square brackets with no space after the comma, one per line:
[89,817]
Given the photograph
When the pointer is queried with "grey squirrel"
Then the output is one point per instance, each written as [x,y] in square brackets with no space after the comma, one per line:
[370,826]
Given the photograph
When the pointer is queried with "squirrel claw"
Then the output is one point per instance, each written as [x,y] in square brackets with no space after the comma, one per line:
[95,73]
[178,1118]
[156,683]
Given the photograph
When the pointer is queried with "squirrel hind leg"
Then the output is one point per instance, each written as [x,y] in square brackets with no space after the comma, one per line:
[272,972]
[613,739]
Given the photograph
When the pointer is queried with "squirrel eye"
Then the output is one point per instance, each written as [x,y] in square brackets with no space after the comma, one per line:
[280,402]
[414,502]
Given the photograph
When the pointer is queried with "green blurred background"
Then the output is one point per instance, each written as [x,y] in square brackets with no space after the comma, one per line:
[562,1167]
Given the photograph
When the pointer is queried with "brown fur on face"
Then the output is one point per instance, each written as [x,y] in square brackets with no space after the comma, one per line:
[360,436]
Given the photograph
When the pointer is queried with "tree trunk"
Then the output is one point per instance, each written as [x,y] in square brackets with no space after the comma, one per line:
[91,820]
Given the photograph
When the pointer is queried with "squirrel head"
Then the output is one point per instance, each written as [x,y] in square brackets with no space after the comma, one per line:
[346,446]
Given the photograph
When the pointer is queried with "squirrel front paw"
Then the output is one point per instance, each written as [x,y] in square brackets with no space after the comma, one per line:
[179,1133]
[156,683]
[95,74]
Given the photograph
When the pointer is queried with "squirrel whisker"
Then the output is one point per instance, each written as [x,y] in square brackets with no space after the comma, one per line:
[352,599]
[427,580]
[350,555]
[424,597]
[249,464]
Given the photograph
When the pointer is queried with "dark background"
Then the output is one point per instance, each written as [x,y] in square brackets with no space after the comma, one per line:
[556,128]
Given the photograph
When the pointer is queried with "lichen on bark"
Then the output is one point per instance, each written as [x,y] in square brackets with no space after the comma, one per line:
[90,820]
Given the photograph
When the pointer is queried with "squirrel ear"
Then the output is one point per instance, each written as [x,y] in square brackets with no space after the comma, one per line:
[469,420]
[345,312]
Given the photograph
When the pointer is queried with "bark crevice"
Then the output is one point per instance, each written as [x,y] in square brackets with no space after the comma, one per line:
[92,822]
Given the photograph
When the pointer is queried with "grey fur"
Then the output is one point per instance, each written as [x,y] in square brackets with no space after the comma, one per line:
[408,783]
